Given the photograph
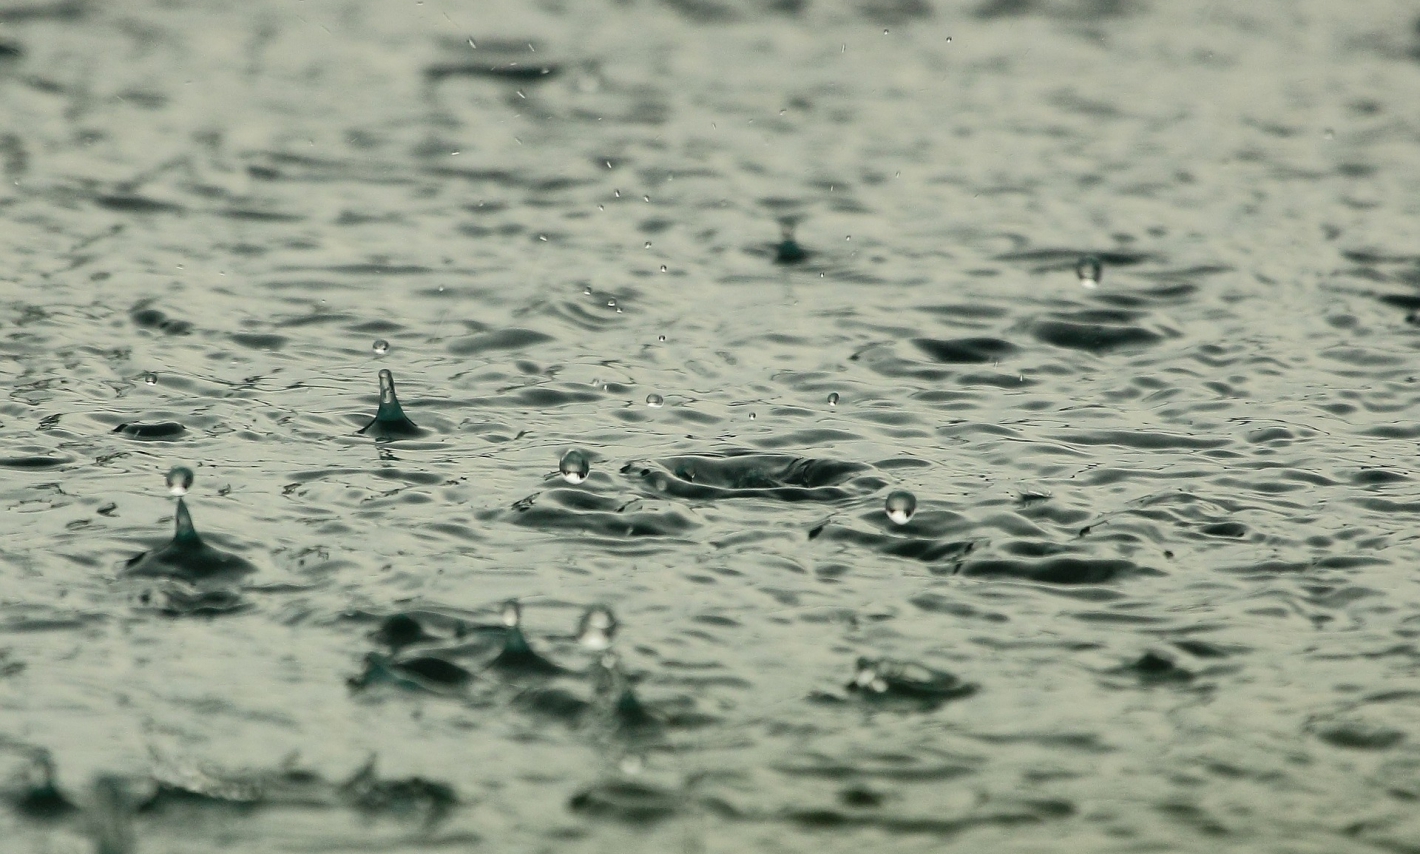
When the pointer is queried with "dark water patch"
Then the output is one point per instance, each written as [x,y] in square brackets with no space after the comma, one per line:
[258,341]
[434,674]
[1142,298]
[888,682]
[751,475]
[502,339]
[1353,735]
[1154,668]
[1049,260]
[153,432]
[1143,440]
[137,204]
[1095,331]
[937,603]
[1233,530]
[34,462]
[920,548]
[965,350]
[252,215]
[1029,814]
[152,318]
[627,800]
[10,50]
[1058,570]
[580,510]
[429,801]
[1378,477]
[56,10]
[508,71]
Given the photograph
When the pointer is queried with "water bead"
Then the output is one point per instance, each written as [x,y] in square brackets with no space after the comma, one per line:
[833,399]
[150,378]
[661,338]
[574,467]
[179,480]
[381,347]
[900,506]
[1089,269]
[596,628]
[512,613]
[655,401]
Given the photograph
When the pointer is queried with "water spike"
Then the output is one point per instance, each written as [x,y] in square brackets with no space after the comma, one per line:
[185,533]
[788,251]
[517,655]
[390,422]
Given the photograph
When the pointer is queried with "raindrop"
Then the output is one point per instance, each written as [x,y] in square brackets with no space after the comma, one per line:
[751,416]
[900,506]
[471,43]
[381,347]
[150,378]
[663,268]
[574,467]
[611,303]
[512,613]
[885,30]
[833,399]
[648,245]
[645,198]
[1089,269]
[595,629]
[587,290]
[661,338]
[179,480]
[655,401]
[618,193]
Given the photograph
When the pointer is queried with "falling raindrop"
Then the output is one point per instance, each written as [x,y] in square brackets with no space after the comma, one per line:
[663,268]
[655,401]
[648,245]
[1089,269]
[512,613]
[179,480]
[661,338]
[150,378]
[596,628]
[381,347]
[900,506]
[833,399]
[574,467]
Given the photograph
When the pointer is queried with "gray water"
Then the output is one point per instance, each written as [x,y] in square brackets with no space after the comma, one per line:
[1159,590]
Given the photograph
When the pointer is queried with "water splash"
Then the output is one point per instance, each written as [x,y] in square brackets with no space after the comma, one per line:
[390,421]
[187,557]
[517,656]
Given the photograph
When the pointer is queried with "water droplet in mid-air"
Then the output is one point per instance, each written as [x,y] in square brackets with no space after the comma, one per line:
[1089,269]
[661,338]
[150,378]
[648,245]
[655,401]
[381,347]
[179,480]
[900,506]
[512,613]
[574,467]
[833,399]
[595,629]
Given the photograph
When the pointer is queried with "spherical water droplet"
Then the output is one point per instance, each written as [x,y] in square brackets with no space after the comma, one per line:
[596,628]
[150,378]
[618,193]
[512,613]
[833,399]
[587,290]
[645,198]
[751,416]
[663,268]
[179,480]
[900,506]
[648,245]
[661,338]
[655,401]
[381,347]
[611,303]
[574,467]
[1089,269]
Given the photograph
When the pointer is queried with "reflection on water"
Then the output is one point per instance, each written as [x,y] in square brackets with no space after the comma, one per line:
[987,423]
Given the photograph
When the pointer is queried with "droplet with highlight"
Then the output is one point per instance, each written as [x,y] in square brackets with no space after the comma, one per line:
[574,467]
[833,399]
[596,628]
[512,613]
[655,401]
[1089,269]
[900,506]
[179,480]
[150,378]
[381,347]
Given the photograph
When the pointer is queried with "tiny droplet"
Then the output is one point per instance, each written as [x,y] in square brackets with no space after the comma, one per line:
[150,378]
[1089,269]
[833,399]
[655,401]
[381,347]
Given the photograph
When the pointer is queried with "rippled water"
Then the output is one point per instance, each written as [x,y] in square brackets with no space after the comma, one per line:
[763,263]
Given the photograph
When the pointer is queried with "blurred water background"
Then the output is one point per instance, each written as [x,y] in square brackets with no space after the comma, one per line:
[761,264]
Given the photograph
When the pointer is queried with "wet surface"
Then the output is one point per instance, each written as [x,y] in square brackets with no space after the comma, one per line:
[680,295]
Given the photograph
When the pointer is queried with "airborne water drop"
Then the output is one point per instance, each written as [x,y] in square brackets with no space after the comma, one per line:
[179,480]
[900,506]
[574,467]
